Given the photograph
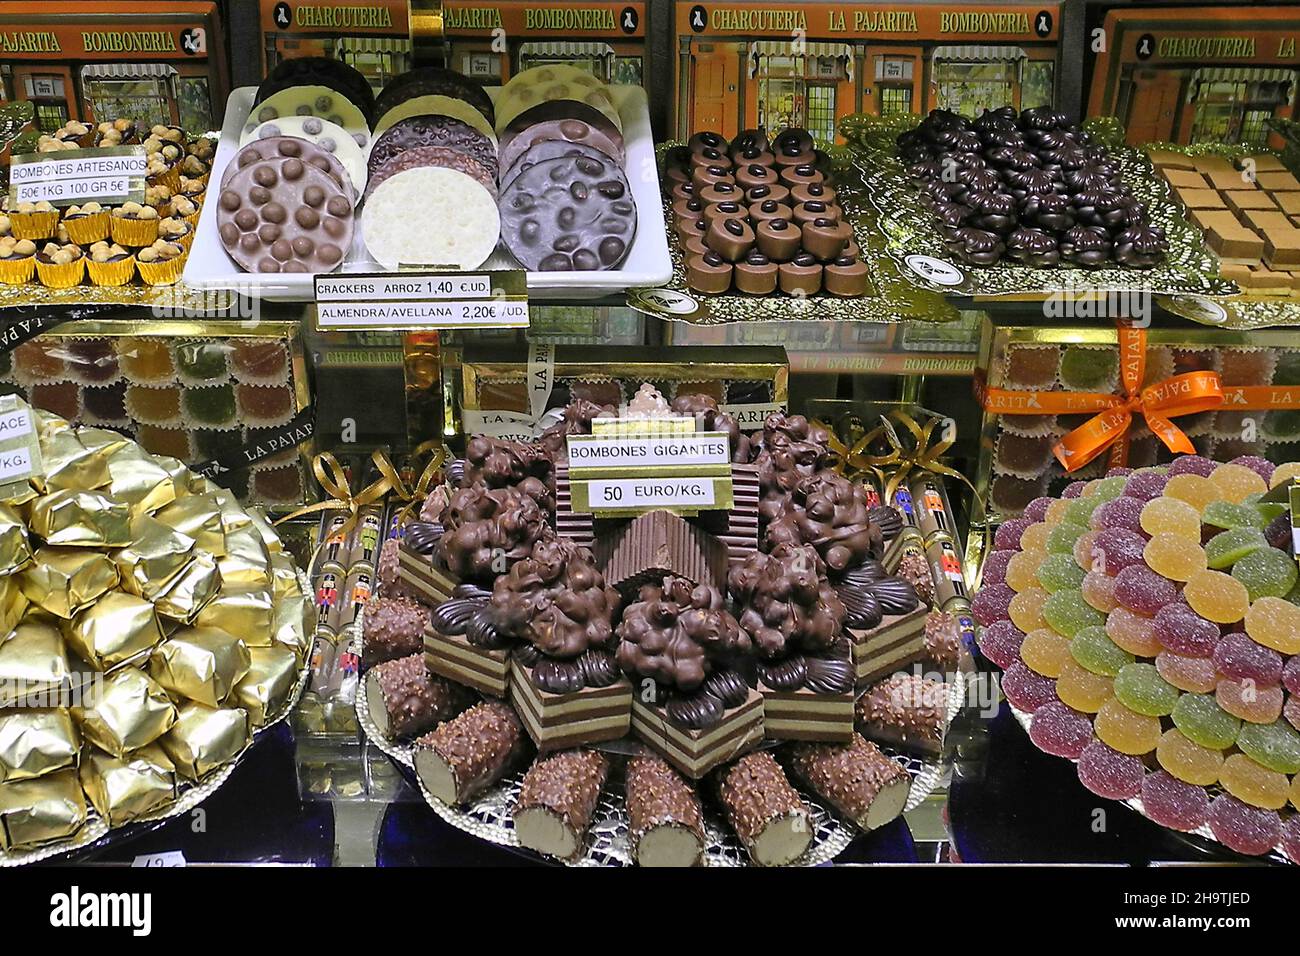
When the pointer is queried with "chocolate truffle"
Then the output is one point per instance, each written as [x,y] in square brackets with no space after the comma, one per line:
[708,273]
[779,239]
[801,276]
[756,274]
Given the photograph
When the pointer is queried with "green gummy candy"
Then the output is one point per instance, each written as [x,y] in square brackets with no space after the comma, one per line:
[1108,489]
[1204,722]
[1096,652]
[1067,613]
[1141,689]
[1266,572]
[1275,746]
[1088,369]
[1228,547]
[1225,514]
[1060,540]
[210,406]
[1059,571]
[1294,596]
[202,361]
[1079,511]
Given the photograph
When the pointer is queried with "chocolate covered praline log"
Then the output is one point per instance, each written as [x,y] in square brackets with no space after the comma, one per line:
[394,628]
[557,801]
[665,820]
[855,778]
[907,711]
[469,753]
[405,699]
[767,814]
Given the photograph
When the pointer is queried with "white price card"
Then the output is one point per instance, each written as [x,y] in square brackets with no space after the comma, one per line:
[658,451]
[626,493]
[111,175]
[170,858]
[421,301]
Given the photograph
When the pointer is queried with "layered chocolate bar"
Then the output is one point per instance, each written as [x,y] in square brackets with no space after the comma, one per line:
[461,644]
[555,721]
[805,714]
[696,750]
[897,641]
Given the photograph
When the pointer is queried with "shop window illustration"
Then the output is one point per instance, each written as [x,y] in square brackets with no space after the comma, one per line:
[799,89]
[377,59]
[1234,105]
[49,99]
[146,91]
[594,58]
[972,79]
[894,84]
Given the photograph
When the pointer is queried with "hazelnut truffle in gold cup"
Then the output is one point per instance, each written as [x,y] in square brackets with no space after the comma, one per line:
[177,231]
[86,224]
[134,224]
[160,263]
[17,260]
[110,264]
[60,267]
[33,220]
[187,210]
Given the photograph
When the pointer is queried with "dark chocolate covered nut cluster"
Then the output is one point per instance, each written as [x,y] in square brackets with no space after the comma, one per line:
[1027,187]
[831,513]
[787,603]
[488,530]
[524,466]
[578,416]
[704,409]
[792,449]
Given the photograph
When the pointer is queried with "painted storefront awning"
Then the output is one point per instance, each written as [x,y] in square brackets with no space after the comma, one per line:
[1242,74]
[810,49]
[566,49]
[979,53]
[127,71]
[373,45]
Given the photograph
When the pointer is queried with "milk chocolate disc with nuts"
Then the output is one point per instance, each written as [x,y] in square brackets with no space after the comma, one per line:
[285,147]
[571,213]
[285,215]
[569,120]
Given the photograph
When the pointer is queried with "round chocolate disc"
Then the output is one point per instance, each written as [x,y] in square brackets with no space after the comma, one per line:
[433,156]
[433,130]
[433,81]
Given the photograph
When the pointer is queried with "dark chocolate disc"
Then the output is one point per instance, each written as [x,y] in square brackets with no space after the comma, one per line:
[432,130]
[320,71]
[433,81]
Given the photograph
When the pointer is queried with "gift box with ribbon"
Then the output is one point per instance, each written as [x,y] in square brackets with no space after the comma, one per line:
[1064,403]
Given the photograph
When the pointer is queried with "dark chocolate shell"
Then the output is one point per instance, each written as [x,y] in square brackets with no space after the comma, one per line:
[475,592]
[787,675]
[422,537]
[896,596]
[455,473]
[862,609]
[696,712]
[868,572]
[887,519]
[728,686]
[452,617]
[558,677]
[830,675]
[599,669]
[481,632]
[526,654]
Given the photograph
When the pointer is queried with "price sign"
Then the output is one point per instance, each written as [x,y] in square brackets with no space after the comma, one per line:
[20,450]
[111,175]
[613,496]
[421,301]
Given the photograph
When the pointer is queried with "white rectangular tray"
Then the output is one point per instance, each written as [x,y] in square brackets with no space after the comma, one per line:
[648,262]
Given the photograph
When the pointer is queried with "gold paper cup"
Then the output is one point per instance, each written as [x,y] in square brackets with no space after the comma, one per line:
[36,812]
[204,738]
[171,178]
[123,789]
[83,230]
[36,742]
[271,677]
[34,225]
[128,710]
[61,275]
[114,273]
[163,272]
[200,663]
[133,232]
[114,630]
[17,271]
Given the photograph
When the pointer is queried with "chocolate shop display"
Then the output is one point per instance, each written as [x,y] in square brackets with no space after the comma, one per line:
[316,172]
[132,679]
[687,639]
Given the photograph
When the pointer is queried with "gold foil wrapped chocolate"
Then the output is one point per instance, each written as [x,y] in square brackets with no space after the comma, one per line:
[36,812]
[102,440]
[15,548]
[200,663]
[124,712]
[204,738]
[246,561]
[295,619]
[233,515]
[153,559]
[69,464]
[65,580]
[266,531]
[137,479]
[126,788]
[81,519]
[34,742]
[199,517]
[243,611]
[114,629]
[12,603]
[34,666]
[284,575]
[271,677]
[191,590]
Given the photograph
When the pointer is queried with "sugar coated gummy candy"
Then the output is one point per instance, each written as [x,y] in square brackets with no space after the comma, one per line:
[1061,539]
[1275,746]
[1079,510]
[1109,773]
[1073,490]
[1056,511]
[1123,512]
[1141,689]
[1290,839]
[1037,509]
[1243,828]
[1140,589]
[1290,711]
[1193,490]
[1125,730]
[1291,675]
[1145,485]
[1235,482]
[1204,722]
[1253,784]
[1172,803]
[1187,760]
[1109,488]
[1260,466]
[1171,516]
[1034,538]
[991,603]
[1217,597]
[1197,675]
[1084,554]
[1240,658]
[1066,612]
[1026,610]
[1059,572]
[1098,589]
[1249,701]
[1008,533]
[1174,557]
[1044,651]
[1115,549]
[994,570]
[1000,642]
[1192,465]
[1022,570]
[1266,572]
[1228,547]
[1284,473]
[1026,690]
[1183,631]
[1133,632]
[1058,730]
[1081,689]
[1226,514]
[1094,651]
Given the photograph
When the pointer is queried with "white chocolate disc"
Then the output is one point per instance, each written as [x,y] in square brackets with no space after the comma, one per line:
[431,216]
[309,101]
